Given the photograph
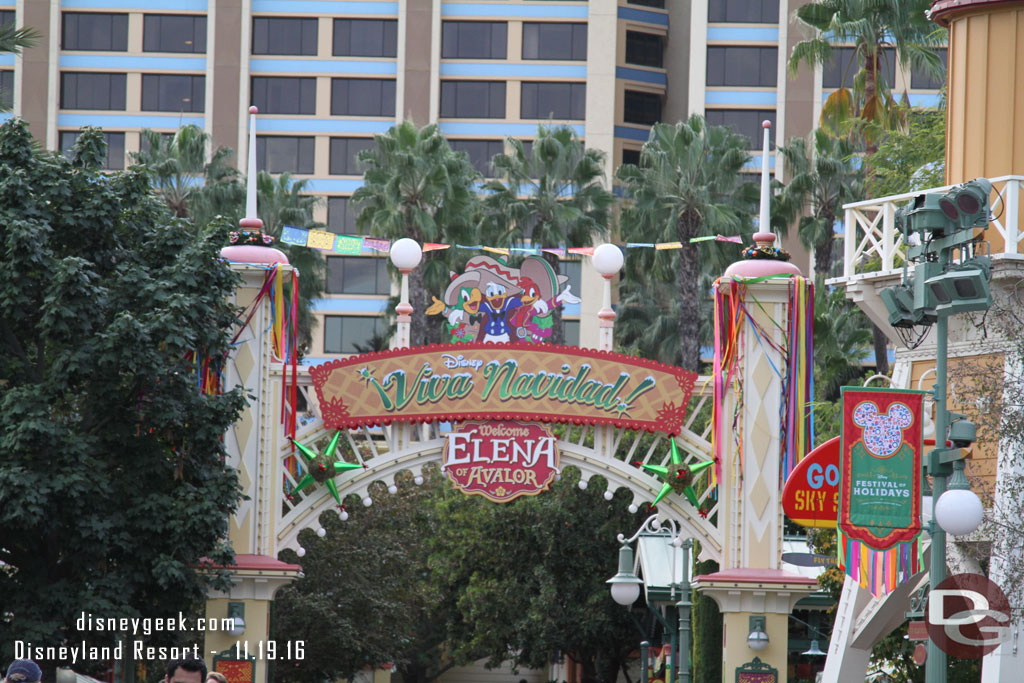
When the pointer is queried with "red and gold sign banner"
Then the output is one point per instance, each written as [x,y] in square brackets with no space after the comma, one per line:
[811,495]
[237,670]
[880,490]
[481,381]
[501,460]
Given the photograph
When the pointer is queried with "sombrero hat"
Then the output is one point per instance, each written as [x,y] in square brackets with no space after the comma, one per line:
[491,270]
[540,271]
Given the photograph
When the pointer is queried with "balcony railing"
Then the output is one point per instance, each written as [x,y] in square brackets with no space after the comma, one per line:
[873,244]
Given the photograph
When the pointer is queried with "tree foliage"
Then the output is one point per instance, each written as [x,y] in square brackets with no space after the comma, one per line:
[415,186]
[112,484]
[688,185]
[914,159]
[550,197]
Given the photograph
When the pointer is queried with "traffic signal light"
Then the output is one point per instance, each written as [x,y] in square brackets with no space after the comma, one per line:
[963,288]
[967,205]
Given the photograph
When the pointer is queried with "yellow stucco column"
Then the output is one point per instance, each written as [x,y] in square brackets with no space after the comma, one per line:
[985,110]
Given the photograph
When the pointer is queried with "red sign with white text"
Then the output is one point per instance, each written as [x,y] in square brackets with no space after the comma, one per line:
[811,495]
[501,459]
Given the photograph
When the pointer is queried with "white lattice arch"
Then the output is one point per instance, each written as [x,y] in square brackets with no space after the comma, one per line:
[384,453]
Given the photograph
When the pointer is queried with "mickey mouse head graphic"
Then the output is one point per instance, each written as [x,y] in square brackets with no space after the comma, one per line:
[883,433]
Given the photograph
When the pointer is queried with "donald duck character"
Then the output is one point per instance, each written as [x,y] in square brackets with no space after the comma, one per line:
[501,296]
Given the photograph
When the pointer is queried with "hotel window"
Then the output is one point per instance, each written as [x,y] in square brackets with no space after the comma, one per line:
[480,153]
[571,329]
[574,271]
[283,36]
[173,33]
[631,156]
[344,152]
[352,333]
[357,275]
[166,92]
[641,107]
[645,49]
[473,99]
[284,154]
[341,215]
[362,97]
[6,89]
[474,40]
[743,11]
[6,18]
[551,40]
[95,31]
[115,148]
[92,91]
[839,70]
[284,95]
[365,38]
[745,122]
[920,80]
[743,66]
[553,101]
[660,4]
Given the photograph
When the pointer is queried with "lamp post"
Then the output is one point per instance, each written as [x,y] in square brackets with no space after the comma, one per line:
[935,227]
[607,261]
[625,589]
[405,255]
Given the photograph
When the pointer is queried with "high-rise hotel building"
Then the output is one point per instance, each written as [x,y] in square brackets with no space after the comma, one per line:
[329,74]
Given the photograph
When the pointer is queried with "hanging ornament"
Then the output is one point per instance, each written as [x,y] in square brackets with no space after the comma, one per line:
[677,475]
[322,468]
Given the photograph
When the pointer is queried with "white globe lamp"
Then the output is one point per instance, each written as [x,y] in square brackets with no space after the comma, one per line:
[607,260]
[406,254]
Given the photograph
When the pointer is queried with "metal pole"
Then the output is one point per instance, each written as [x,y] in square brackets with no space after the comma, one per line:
[935,664]
[683,608]
[645,661]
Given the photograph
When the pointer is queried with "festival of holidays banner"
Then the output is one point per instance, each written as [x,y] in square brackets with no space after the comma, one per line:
[485,381]
[880,463]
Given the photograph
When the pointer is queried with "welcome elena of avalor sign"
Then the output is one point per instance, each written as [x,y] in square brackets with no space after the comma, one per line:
[487,381]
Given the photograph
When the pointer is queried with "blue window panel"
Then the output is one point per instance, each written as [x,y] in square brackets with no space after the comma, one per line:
[924,99]
[755,163]
[349,305]
[643,15]
[641,75]
[177,5]
[743,33]
[6,59]
[325,185]
[325,7]
[330,66]
[515,70]
[499,129]
[627,133]
[172,121]
[546,10]
[741,97]
[132,63]
[338,125]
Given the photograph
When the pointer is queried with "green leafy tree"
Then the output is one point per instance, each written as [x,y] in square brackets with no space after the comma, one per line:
[193,186]
[415,186]
[688,185]
[552,196]
[282,200]
[528,578]
[914,159]
[821,178]
[112,481]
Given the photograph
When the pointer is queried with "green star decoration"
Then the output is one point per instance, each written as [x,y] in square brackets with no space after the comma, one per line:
[678,476]
[337,466]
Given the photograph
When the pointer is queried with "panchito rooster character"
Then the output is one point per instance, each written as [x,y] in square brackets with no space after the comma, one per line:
[539,283]
[461,308]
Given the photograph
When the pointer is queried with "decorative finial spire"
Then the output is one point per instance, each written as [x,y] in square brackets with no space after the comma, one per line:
[251,220]
[764,236]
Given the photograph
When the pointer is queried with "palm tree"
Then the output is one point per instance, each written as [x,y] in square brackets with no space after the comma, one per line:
[872,27]
[190,185]
[13,40]
[842,337]
[415,186]
[826,177]
[551,197]
[281,202]
[687,185]
[869,110]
